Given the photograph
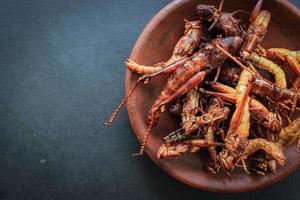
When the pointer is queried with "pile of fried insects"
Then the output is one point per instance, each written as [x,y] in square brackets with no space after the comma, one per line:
[219,85]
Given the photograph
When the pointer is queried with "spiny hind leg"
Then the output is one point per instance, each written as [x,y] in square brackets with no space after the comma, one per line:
[191,83]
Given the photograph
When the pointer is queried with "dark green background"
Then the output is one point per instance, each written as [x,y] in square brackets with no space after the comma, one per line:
[62,74]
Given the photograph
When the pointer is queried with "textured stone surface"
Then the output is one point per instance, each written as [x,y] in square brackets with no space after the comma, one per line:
[61,76]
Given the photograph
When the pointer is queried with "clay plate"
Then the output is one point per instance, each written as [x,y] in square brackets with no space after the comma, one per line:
[156,44]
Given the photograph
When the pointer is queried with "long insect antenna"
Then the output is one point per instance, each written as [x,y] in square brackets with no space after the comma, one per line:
[168,138]
[145,79]
[240,158]
[294,87]
[216,14]
[164,70]
[145,139]
[117,110]
[217,74]
[221,5]
[233,58]
[250,65]
[243,165]
[212,25]
[228,174]
[238,11]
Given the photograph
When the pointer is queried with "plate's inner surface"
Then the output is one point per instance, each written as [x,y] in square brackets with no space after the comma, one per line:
[156,44]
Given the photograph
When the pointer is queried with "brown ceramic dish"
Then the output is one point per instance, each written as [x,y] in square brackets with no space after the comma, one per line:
[155,44]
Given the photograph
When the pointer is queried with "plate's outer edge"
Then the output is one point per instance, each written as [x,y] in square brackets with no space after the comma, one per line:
[132,117]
